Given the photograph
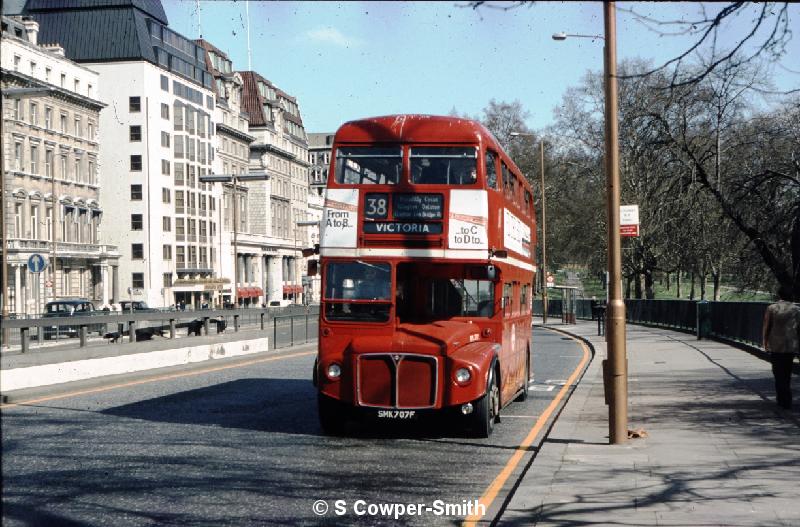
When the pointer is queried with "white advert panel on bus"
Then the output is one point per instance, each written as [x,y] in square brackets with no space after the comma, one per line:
[340,218]
[516,234]
[469,216]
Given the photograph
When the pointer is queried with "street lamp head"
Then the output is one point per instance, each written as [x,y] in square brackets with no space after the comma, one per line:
[560,36]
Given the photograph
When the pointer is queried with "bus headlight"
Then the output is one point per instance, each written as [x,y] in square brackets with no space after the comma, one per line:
[334,371]
[463,376]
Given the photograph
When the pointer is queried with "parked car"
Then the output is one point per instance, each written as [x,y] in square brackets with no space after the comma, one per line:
[280,303]
[126,306]
[70,307]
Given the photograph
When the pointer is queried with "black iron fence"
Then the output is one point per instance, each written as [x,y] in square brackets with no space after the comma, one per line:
[735,322]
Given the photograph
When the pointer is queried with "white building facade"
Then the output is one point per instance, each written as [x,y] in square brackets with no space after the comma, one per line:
[158,133]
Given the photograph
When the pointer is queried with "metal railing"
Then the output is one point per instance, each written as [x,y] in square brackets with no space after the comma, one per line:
[289,325]
[735,322]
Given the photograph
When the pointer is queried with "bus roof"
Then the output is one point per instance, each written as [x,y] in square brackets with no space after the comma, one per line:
[410,128]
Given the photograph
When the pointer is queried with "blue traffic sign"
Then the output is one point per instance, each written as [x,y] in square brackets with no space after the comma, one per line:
[37,263]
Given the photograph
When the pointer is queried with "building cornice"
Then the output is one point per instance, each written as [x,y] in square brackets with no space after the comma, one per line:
[238,134]
[273,149]
[33,82]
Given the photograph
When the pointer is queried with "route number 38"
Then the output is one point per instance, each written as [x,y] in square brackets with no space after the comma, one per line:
[376,205]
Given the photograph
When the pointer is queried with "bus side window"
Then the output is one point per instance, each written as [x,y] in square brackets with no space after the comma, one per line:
[506,180]
[491,169]
[507,290]
[523,300]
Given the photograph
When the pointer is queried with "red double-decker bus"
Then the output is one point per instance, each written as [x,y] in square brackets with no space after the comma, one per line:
[427,273]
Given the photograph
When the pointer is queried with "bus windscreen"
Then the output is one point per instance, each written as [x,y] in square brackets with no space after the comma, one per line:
[432,165]
[368,165]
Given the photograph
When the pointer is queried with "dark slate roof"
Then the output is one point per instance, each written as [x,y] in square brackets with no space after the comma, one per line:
[97,35]
[152,8]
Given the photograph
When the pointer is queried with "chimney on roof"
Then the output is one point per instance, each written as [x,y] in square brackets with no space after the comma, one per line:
[32,29]
[54,48]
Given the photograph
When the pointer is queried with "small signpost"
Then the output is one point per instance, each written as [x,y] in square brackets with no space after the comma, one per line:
[629,221]
[551,280]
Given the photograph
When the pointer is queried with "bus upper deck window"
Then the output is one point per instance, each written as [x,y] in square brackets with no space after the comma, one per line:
[368,165]
[434,165]
[491,169]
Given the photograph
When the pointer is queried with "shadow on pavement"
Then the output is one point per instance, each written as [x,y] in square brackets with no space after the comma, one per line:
[286,406]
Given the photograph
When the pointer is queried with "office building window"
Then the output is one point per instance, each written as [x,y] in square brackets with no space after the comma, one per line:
[165,195]
[165,139]
[137,280]
[48,163]
[167,252]
[164,83]
[166,223]
[137,251]
[135,104]
[136,222]
[136,163]
[34,160]
[164,111]
[167,276]
[164,167]
[135,133]
[136,192]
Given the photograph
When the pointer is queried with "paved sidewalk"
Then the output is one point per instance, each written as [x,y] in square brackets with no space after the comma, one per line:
[718,450]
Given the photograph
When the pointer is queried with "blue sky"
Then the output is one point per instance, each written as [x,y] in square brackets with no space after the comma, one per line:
[345,60]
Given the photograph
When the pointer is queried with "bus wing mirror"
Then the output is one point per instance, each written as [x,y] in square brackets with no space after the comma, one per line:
[491,273]
[313,268]
[311,251]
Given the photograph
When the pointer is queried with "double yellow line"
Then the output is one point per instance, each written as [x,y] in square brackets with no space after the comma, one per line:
[155,379]
[491,492]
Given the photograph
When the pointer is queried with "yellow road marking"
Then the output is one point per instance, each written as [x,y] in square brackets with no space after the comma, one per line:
[154,379]
[491,492]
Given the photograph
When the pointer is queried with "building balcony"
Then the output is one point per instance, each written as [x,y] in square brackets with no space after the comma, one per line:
[63,249]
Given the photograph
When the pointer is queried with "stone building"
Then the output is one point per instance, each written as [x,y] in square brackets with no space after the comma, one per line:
[53,174]
[280,150]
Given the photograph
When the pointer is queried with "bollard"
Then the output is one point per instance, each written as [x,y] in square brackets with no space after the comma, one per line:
[235,322]
[23,335]
[82,333]
[263,320]
[274,332]
[291,334]
[172,328]
[306,325]
[132,330]
[205,326]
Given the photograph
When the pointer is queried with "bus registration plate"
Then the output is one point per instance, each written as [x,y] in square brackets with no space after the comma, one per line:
[396,414]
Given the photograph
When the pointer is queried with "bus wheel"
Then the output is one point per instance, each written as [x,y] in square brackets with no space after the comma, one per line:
[487,409]
[331,415]
[523,395]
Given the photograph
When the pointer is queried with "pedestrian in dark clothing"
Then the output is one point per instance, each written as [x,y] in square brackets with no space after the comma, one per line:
[782,342]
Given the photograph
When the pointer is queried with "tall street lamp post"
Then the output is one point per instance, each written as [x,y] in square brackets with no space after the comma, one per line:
[616,373]
[544,224]
[234,179]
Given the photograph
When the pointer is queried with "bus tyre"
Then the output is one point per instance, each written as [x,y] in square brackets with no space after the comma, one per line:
[523,395]
[331,415]
[487,409]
